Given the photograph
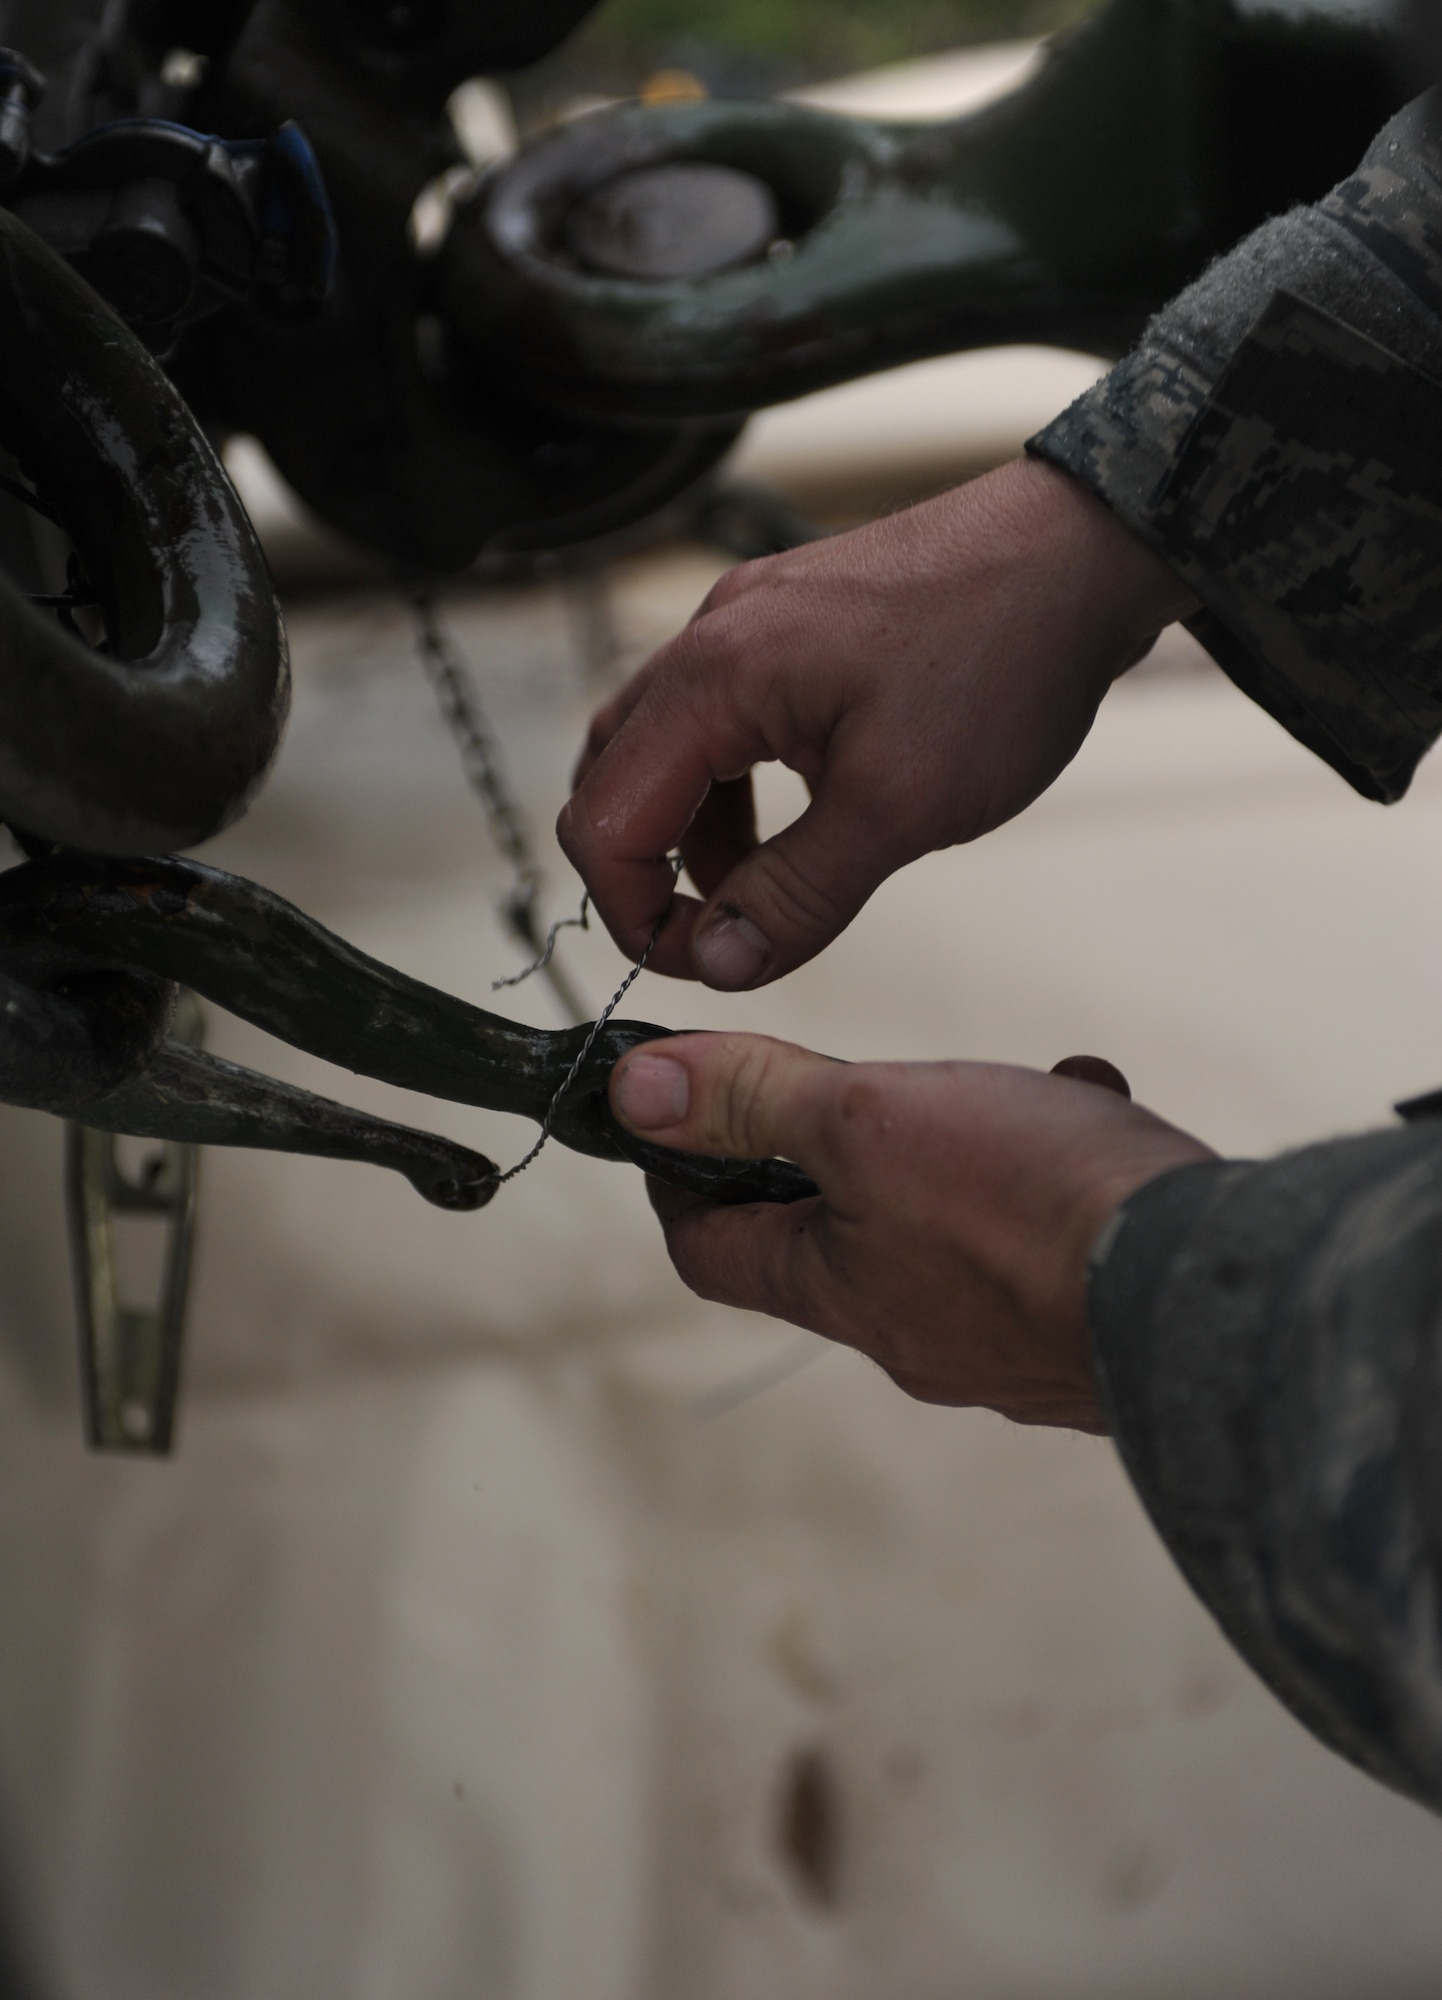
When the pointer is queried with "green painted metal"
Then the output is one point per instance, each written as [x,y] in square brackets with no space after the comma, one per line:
[1150,139]
[97,947]
[161,739]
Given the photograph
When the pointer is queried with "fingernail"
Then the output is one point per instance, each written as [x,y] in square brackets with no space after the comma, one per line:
[651,1092]
[731,952]
[1093,1069]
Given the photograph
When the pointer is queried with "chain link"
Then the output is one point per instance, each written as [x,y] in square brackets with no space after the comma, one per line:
[465,717]
[464,714]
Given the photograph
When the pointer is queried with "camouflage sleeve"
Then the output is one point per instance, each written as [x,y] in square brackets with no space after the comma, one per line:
[1266,1343]
[1266,1334]
[1277,437]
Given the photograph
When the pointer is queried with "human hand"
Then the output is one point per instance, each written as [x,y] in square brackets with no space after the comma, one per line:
[958,1204]
[927,676]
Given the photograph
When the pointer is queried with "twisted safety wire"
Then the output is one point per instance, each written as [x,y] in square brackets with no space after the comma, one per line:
[596,1026]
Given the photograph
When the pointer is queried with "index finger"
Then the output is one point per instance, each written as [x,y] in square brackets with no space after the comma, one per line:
[638,798]
[611,714]
[609,717]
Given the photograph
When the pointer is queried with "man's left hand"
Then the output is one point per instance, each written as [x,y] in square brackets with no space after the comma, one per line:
[958,1204]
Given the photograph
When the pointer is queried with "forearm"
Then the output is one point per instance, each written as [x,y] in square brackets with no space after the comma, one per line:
[1265,1343]
[1275,437]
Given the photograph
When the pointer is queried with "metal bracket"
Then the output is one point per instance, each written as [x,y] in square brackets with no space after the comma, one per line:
[130,1355]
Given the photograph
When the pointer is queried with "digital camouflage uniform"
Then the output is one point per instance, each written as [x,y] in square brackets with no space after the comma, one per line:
[1269,1336]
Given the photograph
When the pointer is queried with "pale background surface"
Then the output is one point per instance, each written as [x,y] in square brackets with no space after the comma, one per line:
[468,1649]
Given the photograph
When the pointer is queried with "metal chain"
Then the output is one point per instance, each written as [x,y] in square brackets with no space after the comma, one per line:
[460,705]
[465,717]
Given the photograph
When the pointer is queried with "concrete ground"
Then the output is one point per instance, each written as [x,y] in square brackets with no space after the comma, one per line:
[511,1626]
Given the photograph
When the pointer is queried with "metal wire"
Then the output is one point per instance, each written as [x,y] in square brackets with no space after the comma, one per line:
[461,706]
[590,1042]
[580,922]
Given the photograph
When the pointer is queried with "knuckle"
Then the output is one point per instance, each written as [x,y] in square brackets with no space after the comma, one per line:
[687,1248]
[856,1116]
[712,653]
[657,693]
[575,829]
[679,657]
[735,583]
[804,899]
[733,1112]
[700,675]
[730,669]
[568,830]
[922,1388]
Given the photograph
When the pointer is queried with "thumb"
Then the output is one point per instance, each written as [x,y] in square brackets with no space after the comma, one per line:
[795,892]
[742,1097]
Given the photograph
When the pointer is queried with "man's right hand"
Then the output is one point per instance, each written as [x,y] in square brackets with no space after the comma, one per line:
[928,676]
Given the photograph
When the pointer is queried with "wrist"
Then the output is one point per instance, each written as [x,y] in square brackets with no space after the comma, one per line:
[1124,589]
[1162,1151]
[1054,1290]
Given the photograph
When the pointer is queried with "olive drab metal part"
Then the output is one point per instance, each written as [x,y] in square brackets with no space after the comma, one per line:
[701,260]
[157,737]
[206,226]
[360,407]
[603,313]
[100,949]
[143,687]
